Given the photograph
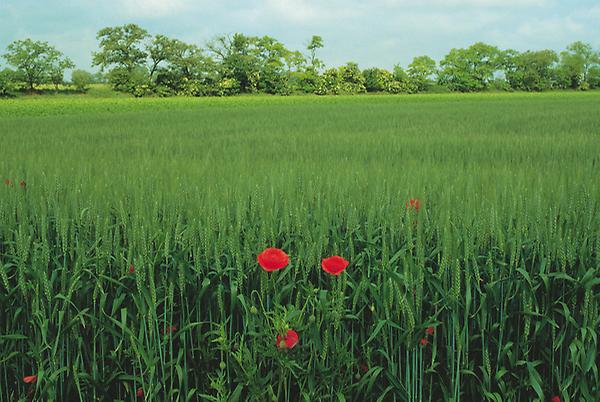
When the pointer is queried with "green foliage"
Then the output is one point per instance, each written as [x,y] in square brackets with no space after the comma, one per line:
[81,79]
[502,259]
[134,62]
[330,83]
[37,62]
[531,71]
[121,47]
[351,79]
[576,63]
[421,70]
[470,69]
[8,82]
[316,43]
[594,77]
[375,79]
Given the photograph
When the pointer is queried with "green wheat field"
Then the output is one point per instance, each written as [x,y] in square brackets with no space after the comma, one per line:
[130,230]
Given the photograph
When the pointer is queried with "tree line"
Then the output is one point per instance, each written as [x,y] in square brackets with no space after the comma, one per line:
[133,61]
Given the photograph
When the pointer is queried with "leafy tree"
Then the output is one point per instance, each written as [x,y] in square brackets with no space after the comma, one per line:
[352,80]
[256,63]
[274,62]
[470,69]
[121,46]
[185,69]
[57,72]
[8,82]
[530,71]
[420,72]
[237,59]
[575,64]
[81,79]
[99,78]
[330,82]
[594,77]
[375,79]
[37,61]
[402,82]
[316,43]
[163,49]
[123,53]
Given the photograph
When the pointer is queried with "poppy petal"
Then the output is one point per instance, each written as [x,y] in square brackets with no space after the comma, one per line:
[272,259]
[30,379]
[334,265]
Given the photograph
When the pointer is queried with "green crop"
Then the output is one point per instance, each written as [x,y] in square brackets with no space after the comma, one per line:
[128,255]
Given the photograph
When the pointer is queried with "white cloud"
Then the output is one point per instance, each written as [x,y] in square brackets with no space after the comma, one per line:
[152,8]
[309,11]
[470,3]
[549,27]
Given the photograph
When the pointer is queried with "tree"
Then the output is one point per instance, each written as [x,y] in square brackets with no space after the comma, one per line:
[594,77]
[420,72]
[374,79]
[575,64]
[237,59]
[470,69]
[530,71]
[316,42]
[121,46]
[8,82]
[188,71]
[81,79]
[402,82]
[352,80]
[37,61]
[330,83]
[122,51]
[57,72]
[163,49]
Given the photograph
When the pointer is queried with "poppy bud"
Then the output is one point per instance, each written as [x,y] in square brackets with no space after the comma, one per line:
[253,310]
[222,365]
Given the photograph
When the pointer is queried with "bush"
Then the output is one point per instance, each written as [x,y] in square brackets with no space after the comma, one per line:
[81,80]
[329,83]
[228,87]
[8,83]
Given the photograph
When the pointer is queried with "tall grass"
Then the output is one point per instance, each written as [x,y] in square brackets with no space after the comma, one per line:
[502,259]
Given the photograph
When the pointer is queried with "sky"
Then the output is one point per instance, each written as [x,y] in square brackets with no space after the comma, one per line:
[371,32]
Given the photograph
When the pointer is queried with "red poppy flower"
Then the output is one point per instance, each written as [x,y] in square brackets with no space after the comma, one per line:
[22,184]
[414,203]
[139,392]
[363,367]
[430,330]
[555,398]
[289,341]
[8,182]
[272,259]
[424,342]
[30,379]
[131,269]
[334,265]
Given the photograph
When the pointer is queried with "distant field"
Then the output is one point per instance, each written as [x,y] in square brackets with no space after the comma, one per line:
[502,258]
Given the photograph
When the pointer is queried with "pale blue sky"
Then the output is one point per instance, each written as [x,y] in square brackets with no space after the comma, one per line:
[370,32]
